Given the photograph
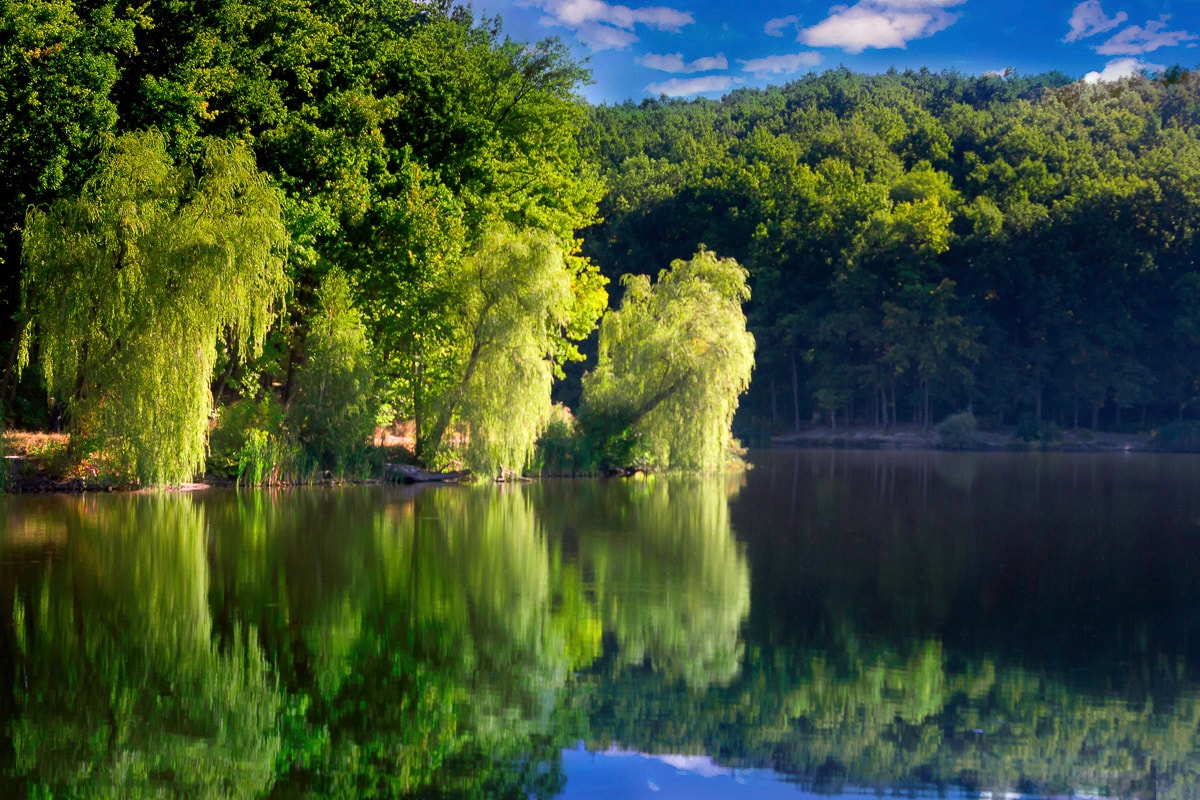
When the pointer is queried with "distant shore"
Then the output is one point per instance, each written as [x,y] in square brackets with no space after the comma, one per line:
[915,438]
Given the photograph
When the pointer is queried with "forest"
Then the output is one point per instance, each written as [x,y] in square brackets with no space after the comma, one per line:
[243,236]
[923,243]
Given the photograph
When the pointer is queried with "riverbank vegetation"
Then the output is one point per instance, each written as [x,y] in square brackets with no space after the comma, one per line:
[240,237]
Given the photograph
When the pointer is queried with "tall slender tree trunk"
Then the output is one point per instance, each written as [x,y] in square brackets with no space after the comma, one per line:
[1038,389]
[795,395]
[418,410]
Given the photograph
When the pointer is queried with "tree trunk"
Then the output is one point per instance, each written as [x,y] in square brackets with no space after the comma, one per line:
[795,396]
[1038,389]
[418,410]
[928,421]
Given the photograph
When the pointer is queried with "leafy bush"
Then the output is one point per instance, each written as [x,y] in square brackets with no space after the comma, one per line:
[558,450]
[260,459]
[1029,431]
[566,447]
[957,431]
[228,445]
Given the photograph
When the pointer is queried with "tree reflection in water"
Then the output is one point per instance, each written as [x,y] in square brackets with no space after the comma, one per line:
[380,642]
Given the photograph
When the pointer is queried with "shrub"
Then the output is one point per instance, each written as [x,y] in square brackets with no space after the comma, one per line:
[1029,431]
[562,448]
[228,442]
[957,431]
[260,459]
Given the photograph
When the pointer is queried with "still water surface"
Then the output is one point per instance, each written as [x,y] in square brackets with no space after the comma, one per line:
[827,623]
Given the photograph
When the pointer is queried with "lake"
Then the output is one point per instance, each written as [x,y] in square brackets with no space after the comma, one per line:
[827,623]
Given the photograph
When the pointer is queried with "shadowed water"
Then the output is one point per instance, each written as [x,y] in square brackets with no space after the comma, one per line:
[828,622]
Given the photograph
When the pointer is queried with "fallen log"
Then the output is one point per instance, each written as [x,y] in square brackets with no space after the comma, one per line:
[406,473]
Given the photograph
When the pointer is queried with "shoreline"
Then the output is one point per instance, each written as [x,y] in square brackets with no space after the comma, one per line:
[28,473]
[914,438]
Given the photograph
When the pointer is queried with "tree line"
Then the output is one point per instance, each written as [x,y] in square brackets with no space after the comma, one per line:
[924,243]
[243,234]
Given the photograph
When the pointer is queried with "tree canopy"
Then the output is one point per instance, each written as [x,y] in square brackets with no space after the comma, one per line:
[673,361]
[130,288]
[919,243]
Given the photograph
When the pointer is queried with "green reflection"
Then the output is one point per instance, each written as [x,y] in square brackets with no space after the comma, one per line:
[417,632]
[380,642]
[119,689]
[670,580]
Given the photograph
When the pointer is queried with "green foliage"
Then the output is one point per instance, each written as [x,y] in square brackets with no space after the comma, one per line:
[672,362]
[1029,430]
[227,443]
[259,459]
[957,431]
[130,287]
[518,302]
[918,243]
[134,694]
[59,67]
[399,135]
[561,447]
[333,406]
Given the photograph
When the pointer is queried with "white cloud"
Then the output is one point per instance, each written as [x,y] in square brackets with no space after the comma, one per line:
[605,26]
[780,65]
[1088,19]
[682,87]
[673,62]
[775,27]
[1120,68]
[1136,40]
[880,24]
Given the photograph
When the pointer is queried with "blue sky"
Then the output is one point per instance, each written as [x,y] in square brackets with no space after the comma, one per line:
[708,47]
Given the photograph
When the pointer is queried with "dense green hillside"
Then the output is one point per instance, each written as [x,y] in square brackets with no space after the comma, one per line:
[919,243]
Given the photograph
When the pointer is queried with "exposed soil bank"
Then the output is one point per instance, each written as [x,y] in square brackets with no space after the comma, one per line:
[913,438]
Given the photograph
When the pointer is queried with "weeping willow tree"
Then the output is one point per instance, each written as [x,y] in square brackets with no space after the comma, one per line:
[521,301]
[129,288]
[672,362]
